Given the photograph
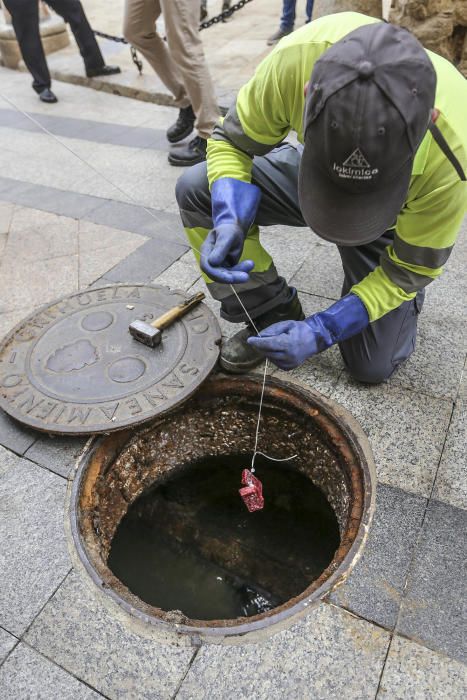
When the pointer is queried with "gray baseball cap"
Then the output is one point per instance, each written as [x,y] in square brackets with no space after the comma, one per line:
[367,110]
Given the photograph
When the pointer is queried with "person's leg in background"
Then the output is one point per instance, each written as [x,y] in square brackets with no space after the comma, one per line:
[181,19]
[73,13]
[375,353]
[287,22]
[25,18]
[309,10]
[139,29]
[267,296]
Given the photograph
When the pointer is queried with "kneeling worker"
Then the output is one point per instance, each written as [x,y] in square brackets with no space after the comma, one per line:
[380,174]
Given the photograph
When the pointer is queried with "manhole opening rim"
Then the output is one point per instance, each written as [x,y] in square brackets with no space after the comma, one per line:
[338,569]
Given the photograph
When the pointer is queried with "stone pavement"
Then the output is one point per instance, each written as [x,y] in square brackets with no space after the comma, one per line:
[397,628]
[231,48]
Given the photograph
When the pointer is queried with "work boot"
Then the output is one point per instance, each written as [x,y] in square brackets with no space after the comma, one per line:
[237,356]
[277,36]
[183,126]
[194,152]
[47,96]
[102,70]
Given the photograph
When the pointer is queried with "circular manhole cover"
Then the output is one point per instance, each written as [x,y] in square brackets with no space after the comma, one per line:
[73,367]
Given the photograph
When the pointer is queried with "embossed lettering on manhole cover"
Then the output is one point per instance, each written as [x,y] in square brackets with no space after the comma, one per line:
[73,367]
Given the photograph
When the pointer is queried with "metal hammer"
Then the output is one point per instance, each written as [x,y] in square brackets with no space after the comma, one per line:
[151,333]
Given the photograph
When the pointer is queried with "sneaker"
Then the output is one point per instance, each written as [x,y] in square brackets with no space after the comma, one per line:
[237,357]
[277,36]
[190,154]
[183,126]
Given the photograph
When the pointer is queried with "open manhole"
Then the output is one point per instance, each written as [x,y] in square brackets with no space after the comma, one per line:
[159,525]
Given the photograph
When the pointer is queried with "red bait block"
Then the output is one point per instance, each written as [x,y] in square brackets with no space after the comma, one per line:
[252,491]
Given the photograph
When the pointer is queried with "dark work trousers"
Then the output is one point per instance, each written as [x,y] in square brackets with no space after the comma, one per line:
[372,355]
[25,17]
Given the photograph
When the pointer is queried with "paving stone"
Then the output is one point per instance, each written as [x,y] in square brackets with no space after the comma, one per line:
[130,217]
[56,169]
[33,552]
[434,611]
[27,674]
[59,454]
[375,587]
[317,376]
[30,284]
[180,275]
[14,191]
[451,479]
[7,642]
[321,273]
[3,241]
[436,365]
[51,199]
[289,247]
[9,319]
[415,672]
[406,431]
[145,263]
[96,263]
[7,460]
[37,235]
[14,436]
[6,212]
[328,654]
[79,634]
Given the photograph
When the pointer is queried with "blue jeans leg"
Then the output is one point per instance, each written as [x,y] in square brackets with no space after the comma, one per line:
[288,14]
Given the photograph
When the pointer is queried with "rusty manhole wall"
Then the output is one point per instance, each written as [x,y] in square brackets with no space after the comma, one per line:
[219,422]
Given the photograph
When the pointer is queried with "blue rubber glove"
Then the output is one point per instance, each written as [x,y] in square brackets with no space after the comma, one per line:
[234,207]
[289,343]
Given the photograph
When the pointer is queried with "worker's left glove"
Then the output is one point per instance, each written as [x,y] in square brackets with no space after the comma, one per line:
[234,207]
[289,343]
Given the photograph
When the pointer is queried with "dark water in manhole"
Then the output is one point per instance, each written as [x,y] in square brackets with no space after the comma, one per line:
[191,545]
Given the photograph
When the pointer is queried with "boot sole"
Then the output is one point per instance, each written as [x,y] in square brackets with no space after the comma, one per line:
[182,136]
[232,368]
[184,163]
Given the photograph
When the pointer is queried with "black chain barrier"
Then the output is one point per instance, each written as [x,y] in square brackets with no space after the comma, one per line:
[221,17]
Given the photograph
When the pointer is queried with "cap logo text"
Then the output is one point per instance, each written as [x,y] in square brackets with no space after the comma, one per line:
[356,167]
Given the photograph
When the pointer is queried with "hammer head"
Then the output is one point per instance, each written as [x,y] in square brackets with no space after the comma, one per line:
[144,333]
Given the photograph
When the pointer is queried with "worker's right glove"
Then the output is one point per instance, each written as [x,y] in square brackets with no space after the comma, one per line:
[234,207]
[289,343]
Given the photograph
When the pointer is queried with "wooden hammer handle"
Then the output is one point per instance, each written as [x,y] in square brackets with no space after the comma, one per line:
[177,312]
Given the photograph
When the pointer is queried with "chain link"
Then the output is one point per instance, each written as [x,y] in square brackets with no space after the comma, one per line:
[225,14]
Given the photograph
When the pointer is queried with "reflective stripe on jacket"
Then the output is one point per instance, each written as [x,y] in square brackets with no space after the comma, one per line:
[271,104]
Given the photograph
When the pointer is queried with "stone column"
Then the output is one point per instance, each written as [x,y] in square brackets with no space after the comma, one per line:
[53,31]
[440,25]
[374,8]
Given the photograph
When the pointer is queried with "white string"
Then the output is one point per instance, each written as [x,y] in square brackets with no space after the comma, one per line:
[148,211]
[255,451]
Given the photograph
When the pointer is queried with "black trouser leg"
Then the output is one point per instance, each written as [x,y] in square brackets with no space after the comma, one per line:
[375,353]
[25,18]
[73,13]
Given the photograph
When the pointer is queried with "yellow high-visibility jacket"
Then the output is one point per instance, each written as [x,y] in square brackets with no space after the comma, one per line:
[271,104]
